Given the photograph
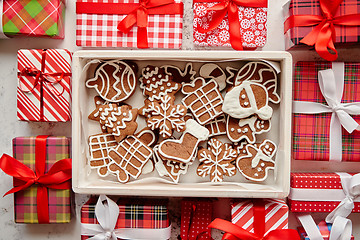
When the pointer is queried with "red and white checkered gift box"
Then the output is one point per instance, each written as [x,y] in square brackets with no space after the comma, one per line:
[44,92]
[97,24]
[252,23]
[276,214]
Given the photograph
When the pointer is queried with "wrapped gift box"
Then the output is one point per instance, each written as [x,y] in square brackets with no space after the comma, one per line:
[133,214]
[276,214]
[311,132]
[317,192]
[97,24]
[26,208]
[196,215]
[44,89]
[43,18]
[325,229]
[252,20]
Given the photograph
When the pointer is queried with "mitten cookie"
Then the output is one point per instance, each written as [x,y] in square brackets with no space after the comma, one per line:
[255,164]
[183,150]
[203,99]
[215,161]
[247,99]
[115,81]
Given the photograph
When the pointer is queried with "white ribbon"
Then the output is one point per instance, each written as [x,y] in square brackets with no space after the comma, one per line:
[351,187]
[331,82]
[107,213]
[340,230]
[2,34]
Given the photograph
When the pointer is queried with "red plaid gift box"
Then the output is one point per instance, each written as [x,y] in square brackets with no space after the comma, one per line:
[33,18]
[276,214]
[98,24]
[40,160]
[321,192]
[305,17]
[44,89]
[311,132]
[196,215]
[252,25]
[135,220]
[324,228]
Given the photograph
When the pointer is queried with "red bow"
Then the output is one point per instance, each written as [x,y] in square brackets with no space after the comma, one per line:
[234,232]
[56,178]
[323,35]
[230,7]
[41,78]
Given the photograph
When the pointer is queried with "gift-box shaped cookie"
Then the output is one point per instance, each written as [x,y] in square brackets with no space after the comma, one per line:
[312,22]
[42,179]
[44,87]
[40,18]
[239,25]
[326,111]
[102,217]
[134,23]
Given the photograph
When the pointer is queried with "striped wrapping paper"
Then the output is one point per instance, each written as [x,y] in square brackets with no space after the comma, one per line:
[56,106]
[100,30]
[311,131]
[276,215]
[325,229]
[312,7]
[57,148]
[43,18]
[132,214]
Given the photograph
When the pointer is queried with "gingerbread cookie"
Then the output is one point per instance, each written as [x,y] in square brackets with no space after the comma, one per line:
[165,116]
[132,155]
[215,161]
[178,75]
[247,99]
[230,75]
[203,99]
[262,73]
[257,161]
[95,115]
[213,71]
[118,120]
[115,81]
[183,150]
[99,146]
[246,128]
[217,126]
[156,83]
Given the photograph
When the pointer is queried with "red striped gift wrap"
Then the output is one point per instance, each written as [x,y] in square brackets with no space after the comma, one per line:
[44,87]
[323,184]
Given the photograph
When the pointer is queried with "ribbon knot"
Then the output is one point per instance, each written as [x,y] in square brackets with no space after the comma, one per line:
[108,235]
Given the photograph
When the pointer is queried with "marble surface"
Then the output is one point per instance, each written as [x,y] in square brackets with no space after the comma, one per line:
[10,127]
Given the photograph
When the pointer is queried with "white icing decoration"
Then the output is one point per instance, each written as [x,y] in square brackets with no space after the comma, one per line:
[232,129]
[259,169]
[262,164]
[208,68]
[243,96]
[114,113]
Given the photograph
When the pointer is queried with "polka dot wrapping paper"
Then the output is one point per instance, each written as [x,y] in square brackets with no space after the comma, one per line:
[317,192]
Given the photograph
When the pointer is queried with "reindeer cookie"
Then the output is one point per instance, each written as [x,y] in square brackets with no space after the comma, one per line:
[178,75]
[257,161]
[115,81]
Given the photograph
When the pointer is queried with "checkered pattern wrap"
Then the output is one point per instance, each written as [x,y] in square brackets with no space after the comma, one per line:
[311,131]
[312,7]
[57,148]
[130,215]
[325,229]
[92,30]
[34,18]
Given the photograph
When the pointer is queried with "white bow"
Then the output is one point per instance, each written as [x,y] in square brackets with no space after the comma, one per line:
[331,82]
[351,187]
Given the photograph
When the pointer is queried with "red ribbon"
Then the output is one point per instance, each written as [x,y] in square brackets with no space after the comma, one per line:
[235,232]
[323,35]
[137,14]
[230,7]
[58,176]
[42,79]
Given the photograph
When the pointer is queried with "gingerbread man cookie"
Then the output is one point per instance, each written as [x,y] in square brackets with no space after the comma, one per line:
[257,161]
[203,99]
[115,80]
[216,161]
[247,99]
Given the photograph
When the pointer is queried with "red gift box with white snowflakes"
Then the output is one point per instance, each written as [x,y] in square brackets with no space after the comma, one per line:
[323,192]
[215,25]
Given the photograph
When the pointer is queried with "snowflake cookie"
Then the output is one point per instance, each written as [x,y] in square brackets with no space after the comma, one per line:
[216,161]
[255,162]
